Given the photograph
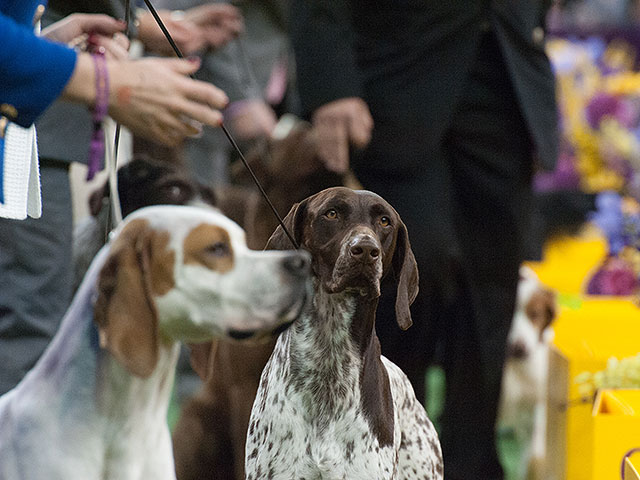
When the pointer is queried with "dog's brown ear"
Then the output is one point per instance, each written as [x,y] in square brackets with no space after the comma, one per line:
[294,221]
[541,309]
[124,310]
[406,272]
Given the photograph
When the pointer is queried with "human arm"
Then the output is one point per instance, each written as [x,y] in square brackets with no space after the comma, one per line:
[77,24]
[33,71]
[153,97]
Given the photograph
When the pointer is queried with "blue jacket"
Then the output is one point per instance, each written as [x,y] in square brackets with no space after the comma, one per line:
[33,71]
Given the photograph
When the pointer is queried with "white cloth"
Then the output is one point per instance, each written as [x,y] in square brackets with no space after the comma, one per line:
[21,174]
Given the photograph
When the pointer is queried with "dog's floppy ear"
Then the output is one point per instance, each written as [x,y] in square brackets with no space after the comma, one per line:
[294,221]
[124,309]
[406,272]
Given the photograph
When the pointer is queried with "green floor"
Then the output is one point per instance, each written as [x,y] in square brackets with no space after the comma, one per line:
[508,448]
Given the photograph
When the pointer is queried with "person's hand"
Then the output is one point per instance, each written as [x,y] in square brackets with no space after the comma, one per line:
[338,125]
[219,22]
[78,24]
[155,98]
[251,119]
[196,29]
[114,48]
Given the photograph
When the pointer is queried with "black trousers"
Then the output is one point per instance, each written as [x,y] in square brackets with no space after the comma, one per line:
[35,276]
[465,201]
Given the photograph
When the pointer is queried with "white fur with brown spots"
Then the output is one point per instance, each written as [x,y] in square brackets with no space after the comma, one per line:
[329,406]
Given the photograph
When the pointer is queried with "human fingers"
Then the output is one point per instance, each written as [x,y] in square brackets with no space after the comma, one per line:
[360,126]
[251,119]
[333,144]
[77,24]
[194,89]
[144,90]
[170,129]
[102,24]
[217,37]
[213,13]
[114,48]
[122,40]
[187,35]
[193,98]
[152,119]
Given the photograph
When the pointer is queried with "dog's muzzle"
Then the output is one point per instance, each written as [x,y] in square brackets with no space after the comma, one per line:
[364,249]
[359,265]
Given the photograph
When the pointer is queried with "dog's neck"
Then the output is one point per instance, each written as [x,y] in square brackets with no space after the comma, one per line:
[86,382]
[334,361]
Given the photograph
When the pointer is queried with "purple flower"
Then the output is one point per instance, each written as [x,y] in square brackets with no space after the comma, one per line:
[601,105]
[609,218]
[614,277]
[633,187]
[627,114]
[564,177]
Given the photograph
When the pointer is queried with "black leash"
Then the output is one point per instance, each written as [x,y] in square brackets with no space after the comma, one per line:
[222,126]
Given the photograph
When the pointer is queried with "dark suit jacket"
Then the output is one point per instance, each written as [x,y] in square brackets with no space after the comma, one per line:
[412,56]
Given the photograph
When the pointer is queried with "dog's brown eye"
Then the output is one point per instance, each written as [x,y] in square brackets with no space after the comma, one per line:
[384,221]
[331,214]
[218,249]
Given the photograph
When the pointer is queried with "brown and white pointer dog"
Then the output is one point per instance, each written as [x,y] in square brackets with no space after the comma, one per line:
[329,406]
[210,435]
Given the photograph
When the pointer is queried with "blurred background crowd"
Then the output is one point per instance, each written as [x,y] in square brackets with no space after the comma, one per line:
[489,126]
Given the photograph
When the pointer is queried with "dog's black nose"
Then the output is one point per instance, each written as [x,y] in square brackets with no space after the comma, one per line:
[241,334]
[517,350]
[297,264]
[364,249]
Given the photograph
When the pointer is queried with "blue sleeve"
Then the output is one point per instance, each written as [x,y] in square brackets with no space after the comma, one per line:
[33,70]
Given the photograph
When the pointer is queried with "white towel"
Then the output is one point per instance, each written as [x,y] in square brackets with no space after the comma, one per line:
[21,175]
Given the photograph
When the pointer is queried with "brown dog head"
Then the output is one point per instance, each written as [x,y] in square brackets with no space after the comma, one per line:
[355,238]
[144,181]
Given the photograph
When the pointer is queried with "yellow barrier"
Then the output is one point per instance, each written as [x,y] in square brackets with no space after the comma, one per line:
[630,470]
[569,261]
[585,338]
[588,331]
[616,431]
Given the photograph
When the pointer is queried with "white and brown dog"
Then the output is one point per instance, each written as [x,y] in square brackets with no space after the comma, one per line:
[329,406]
[524,381]
[95,405]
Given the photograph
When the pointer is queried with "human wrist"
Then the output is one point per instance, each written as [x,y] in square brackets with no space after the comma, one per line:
[81,86]
[98,113]
[233,109]
[148,29]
